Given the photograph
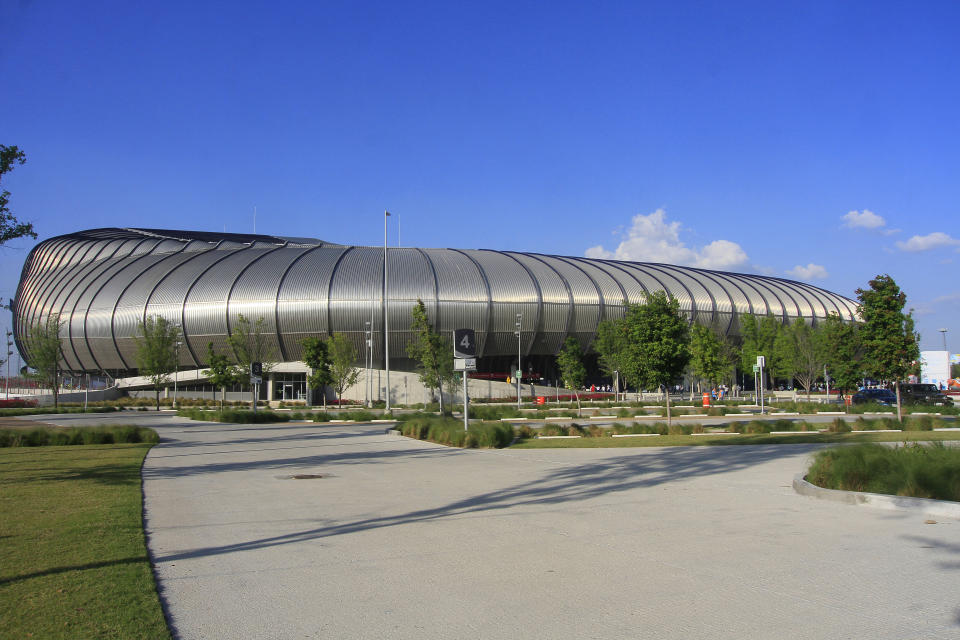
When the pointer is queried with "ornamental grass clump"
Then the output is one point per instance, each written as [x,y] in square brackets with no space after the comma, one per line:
[914,470]
[57,436]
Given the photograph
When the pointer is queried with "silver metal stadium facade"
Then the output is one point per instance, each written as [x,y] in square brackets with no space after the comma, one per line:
[104,282]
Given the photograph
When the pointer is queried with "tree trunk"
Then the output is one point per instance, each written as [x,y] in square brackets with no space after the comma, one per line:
[899,411]
[223,397]
[158,398]
[579,410]
[440,390]
[668,406]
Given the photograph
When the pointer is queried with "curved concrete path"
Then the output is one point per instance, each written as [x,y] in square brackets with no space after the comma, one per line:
[404,539]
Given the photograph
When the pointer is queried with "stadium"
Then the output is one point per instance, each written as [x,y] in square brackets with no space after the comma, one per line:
[104,282]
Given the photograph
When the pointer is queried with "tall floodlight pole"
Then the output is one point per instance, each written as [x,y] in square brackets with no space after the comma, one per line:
[943,332]
[386,309]
[519,369]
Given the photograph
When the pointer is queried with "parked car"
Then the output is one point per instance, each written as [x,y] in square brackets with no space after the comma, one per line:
[923,393]
[876,396]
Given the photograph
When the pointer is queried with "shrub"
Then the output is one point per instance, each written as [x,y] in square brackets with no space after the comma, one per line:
[916,470]
[918,423]
[839,425]
[56,436]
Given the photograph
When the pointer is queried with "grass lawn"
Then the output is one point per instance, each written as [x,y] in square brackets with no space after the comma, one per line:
[740,439]
[73,560]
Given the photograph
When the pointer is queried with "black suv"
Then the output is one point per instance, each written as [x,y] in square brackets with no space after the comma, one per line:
[879,396]
[917,393]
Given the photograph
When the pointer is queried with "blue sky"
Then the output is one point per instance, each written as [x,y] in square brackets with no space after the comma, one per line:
[817,140]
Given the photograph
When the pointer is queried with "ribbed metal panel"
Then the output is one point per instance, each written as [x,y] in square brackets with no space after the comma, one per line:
[555,305]
[512,291]
[103,282]
[303,294]
[462,295]
[356,293]
[101,312]
[703,305]
[78,310]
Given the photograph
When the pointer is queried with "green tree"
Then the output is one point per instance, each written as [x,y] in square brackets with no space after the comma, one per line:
[10,227]
[658,338]
[889,340]
[46,354]
[343,355]
[610,345]
[840,349]
[222,373]
[572,369]
[783,361]
[156,351]
[709,357]
[316,355]
[432,352]
[758,338]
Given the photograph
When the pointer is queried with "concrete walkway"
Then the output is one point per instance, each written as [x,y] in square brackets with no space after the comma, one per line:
[403,539]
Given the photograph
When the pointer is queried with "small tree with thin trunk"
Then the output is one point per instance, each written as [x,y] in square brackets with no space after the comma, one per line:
[889,339]
[46,354]
[316,355]
[222,373]
[572,369]
[250,343]
[343,356]
[841,350]
[156,351]
[610,345]
[432,352]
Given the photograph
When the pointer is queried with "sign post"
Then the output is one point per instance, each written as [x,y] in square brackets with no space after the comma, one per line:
[256,377]
[761,361]
[465,359]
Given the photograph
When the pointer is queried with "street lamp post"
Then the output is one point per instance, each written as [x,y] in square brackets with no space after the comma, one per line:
[6,383]
[943,332]
[519,369]
[368,365]
[176,371]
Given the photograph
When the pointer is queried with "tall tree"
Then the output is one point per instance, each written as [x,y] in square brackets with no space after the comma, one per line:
[432,352]
[610,345]
[316,355]
[46,354]
[156,351]
[222,373]
[658,338]
[841,350]
[343,356]
[708,355]
[758,339]
[572,369]
[10,227]
[889,339]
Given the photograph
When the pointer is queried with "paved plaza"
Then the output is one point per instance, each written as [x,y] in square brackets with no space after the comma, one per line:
[406,539]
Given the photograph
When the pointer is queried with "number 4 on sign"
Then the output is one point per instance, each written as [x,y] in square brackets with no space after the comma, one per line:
[465,342]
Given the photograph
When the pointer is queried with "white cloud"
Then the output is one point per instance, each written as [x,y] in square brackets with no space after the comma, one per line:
[933,240]
[866,220]
[809,272]
[652,238]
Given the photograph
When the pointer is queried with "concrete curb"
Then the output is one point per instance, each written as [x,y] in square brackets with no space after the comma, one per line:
[914,506]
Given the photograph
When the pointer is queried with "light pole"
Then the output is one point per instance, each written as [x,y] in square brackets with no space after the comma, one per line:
[176,371]
[386,309]
[942,331]
[367,363]
[519,369]
[6,383]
